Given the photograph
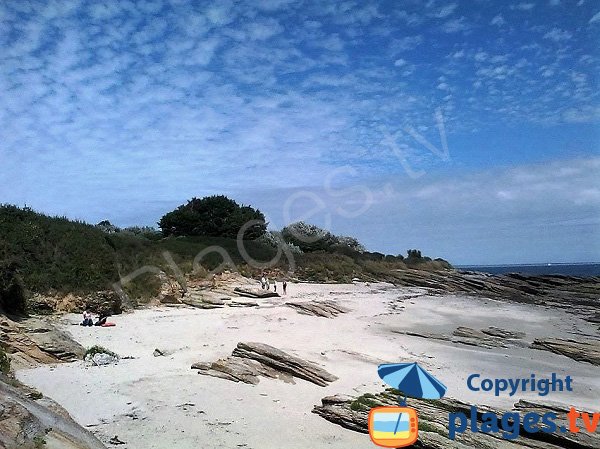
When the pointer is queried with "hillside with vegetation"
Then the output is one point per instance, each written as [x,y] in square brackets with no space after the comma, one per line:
[55,255]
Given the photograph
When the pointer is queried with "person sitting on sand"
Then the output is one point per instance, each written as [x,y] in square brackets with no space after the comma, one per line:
[87,319]
[101,320]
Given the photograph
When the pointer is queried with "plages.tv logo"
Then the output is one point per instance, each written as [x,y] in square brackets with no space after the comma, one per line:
[399,426]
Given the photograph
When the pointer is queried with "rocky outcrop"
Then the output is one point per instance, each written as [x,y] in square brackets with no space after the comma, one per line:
[34,341]
[326,309]
[52,341]
[248,361]
[581,351]
[26,423]
[489,338]
[573,294]
[102,303]
[352,413]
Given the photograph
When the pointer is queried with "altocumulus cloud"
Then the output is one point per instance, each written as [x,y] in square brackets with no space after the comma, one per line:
[123,109]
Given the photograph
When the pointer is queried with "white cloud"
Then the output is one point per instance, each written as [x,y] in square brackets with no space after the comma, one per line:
[595,18]
[445,11]
[498,20]
[523,6]
[558,35]
[455,25]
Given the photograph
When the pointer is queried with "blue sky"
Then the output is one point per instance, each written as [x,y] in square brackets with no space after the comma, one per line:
[466,129]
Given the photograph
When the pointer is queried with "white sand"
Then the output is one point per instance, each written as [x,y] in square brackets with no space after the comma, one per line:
[143,400]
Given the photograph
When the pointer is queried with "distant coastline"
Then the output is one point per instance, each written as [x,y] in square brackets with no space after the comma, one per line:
[566,269]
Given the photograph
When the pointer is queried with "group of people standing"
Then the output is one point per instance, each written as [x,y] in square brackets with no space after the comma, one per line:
[266,284]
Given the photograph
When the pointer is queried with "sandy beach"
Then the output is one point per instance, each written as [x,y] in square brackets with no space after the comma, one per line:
[159,402]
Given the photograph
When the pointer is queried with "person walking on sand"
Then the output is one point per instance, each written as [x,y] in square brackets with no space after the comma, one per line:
[275,286]
[263,282]
[284,287]
[268,284]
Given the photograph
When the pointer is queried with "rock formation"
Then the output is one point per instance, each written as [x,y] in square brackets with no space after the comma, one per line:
[250,360]
[581,351]
[27,423]
[326,309]
[352,413]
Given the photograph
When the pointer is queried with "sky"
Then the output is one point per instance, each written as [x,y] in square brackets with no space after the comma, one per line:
[469,130]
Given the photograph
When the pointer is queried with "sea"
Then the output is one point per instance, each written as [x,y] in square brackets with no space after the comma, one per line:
[567,269]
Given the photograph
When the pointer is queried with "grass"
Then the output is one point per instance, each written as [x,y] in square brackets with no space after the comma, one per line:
[365,402]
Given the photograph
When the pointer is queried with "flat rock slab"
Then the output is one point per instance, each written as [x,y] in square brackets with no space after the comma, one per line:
[251,360]
[581,351]
[489,338]
[352,413]
[326,309]
[255,293]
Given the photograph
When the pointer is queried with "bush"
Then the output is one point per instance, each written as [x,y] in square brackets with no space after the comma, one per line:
[91,352]
[213,216]
[12,291]
[4,361]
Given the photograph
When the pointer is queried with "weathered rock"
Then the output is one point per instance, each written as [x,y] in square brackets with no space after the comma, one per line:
[327,309]
[53,341]
[101,359]
[581,351]
[573,294]
[492,337]
[239,370]
[25,423]
[282,361]
[503,333]
[255,293]
[249,360]
[243,304]
[169,299]
[352,413]
[200,303]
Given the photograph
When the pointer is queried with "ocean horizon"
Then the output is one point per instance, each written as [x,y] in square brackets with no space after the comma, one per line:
[583,269]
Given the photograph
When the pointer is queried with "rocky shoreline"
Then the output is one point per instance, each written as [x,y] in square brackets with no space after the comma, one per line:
[41,340]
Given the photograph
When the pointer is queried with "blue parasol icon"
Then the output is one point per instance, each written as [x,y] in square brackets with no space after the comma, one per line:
[412,380]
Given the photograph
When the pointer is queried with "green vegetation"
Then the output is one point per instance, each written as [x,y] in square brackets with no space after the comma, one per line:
[4,362]
[46,254]
[365,402]
[213,216]
[428,427]
[39,441]
[35,395]
[91,352]
[310,238]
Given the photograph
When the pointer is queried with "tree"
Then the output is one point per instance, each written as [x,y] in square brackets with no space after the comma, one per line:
[213,216]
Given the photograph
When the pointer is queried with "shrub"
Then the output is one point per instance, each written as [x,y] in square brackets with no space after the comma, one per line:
[4,361]
[91,352]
